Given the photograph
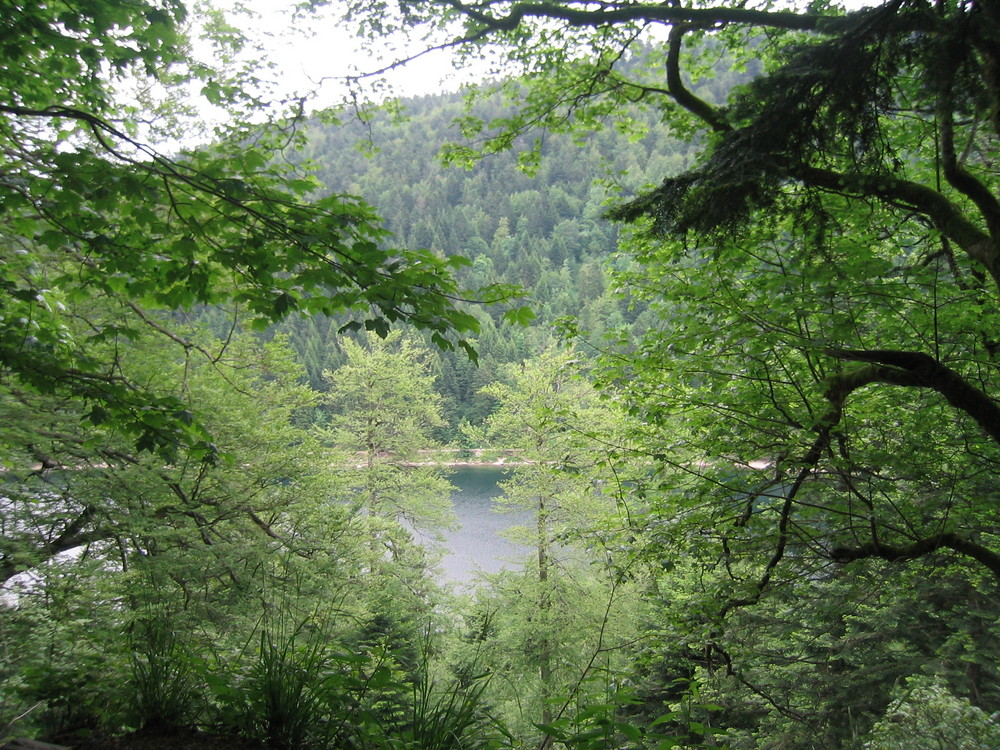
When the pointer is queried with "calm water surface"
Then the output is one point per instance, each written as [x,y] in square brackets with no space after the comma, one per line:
[477,546]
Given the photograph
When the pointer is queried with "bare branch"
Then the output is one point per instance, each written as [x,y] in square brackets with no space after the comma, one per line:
[698,107]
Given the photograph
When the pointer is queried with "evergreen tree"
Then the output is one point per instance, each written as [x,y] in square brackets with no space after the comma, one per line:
[385,415]
[550,421]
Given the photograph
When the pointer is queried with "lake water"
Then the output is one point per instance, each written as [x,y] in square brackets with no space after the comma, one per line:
[477,545]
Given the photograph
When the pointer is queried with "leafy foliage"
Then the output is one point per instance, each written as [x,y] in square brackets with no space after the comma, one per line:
[560,626]
[926,714]
[384,415]
[816,393]
[165,685]
[809,376]
[447,718]
[102,233]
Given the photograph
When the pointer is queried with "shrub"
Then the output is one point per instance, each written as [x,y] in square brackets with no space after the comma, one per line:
[926,715]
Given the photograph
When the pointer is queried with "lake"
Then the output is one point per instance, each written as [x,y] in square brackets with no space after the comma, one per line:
[477,546]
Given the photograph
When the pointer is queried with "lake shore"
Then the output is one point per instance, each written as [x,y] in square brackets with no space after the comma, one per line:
[468,457]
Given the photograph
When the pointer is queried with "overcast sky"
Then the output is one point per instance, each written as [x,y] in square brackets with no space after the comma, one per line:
[318,52]
[313,54]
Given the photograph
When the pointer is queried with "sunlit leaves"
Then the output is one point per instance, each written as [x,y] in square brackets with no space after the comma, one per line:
[519,316]
[384,411]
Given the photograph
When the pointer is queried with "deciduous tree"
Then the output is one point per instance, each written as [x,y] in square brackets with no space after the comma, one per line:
[384,416]
[101,232]
[849,190]
[555,619]
[819,392]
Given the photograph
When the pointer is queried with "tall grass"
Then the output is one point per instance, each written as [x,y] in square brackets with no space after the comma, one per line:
[449,718]
[283,697]
[294,685]
[165,691]
[299,690]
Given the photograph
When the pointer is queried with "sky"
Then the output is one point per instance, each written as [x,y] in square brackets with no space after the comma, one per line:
[316,52]
[313,54]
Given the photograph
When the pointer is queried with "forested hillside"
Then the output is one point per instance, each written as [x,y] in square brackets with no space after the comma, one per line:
[756,482]
[544,230]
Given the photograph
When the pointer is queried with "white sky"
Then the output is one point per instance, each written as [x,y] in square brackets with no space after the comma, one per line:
[316,53]
[313,54]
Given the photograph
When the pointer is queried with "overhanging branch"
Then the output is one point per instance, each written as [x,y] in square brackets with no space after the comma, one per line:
[894,553]
[891,367]
[919,370]
[954,172]
[680,93]
[76,533]
[836,394]
[946,216]
[663,13]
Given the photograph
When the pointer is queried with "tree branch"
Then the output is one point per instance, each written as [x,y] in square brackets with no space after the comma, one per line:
[956,175]
[698,107]
[947,540]
[946,216]
[73,535]
[910,369]
[838,389]
[669,14]
[919,370]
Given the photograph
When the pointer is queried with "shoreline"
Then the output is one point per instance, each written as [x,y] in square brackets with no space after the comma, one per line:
[485,457]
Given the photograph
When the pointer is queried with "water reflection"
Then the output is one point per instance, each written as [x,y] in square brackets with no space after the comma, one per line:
[477,546]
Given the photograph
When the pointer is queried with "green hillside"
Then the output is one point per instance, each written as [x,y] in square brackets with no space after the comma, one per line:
[543,230]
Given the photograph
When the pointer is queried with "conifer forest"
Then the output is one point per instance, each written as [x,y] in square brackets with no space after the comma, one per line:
[716,285]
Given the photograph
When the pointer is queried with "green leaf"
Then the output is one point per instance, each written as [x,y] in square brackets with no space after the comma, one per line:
[521,316]
[378,325]
[283,304]
[98,415]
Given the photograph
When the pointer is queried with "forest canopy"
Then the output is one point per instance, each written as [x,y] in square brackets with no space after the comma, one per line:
[762,475]
[862,162]
[104,233]
[826,274]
